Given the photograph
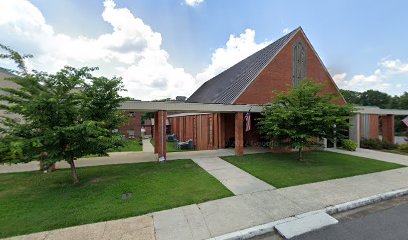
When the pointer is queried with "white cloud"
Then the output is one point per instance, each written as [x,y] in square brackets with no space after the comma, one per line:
[285,30]
[193,3]
[132,50]
[236,49]
[378,80]
[395,66]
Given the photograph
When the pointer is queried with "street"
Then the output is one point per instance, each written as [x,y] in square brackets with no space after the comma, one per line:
[382,221]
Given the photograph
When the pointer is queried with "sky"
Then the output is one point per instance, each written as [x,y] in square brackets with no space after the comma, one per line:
[168,48]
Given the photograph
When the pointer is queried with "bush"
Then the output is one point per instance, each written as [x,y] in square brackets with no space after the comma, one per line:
[371,144]
[388,145]
[404,147]
[349,145]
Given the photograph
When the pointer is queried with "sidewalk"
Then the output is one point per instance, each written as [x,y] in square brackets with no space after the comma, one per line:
[239,212]
[250,207]
[378,155]
[146,155]
[236,180]
[222,216]
[147,146]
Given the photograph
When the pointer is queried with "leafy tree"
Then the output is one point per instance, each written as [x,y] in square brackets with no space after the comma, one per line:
[375,98]
[403,101]
[65,116]
[351,97]
[303,115]
[394,102]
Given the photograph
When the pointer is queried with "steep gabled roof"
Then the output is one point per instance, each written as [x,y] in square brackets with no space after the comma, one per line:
[226,87]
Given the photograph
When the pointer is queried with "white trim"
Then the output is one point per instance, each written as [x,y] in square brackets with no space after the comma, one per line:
[186,114]
[141,106]
[380,111]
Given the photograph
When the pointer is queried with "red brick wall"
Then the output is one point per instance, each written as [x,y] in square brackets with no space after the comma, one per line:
[388,128]
[374,126]
[223,128]
[277,76]
[133,122]
[206,135]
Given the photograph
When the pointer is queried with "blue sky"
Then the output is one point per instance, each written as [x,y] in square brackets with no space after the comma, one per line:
[168,47]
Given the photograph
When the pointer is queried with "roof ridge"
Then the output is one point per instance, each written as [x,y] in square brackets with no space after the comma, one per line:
[289,35]
[261,51]
[228,85]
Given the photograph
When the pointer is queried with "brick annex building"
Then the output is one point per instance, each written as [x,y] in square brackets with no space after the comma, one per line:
[278,67]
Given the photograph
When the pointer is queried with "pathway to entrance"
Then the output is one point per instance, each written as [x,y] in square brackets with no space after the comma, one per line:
[147,146]
[378,155]
[236,180]
[146,155]
[214,218]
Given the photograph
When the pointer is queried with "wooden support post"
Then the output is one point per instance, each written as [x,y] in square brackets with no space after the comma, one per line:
[239,134]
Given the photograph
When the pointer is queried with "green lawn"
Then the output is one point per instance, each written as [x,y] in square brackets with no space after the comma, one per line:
[170,147]
[33,202]
[284,170]
[130,146]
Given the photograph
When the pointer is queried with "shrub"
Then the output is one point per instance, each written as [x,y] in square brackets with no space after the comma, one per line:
[371,144]
[388,145]
[349,145]
[404,147]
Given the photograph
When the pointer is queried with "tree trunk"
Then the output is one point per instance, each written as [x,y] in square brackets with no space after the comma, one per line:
[73,171]
[300,154]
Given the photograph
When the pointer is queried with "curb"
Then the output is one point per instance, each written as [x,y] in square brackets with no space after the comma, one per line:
[366,201]
[270,227]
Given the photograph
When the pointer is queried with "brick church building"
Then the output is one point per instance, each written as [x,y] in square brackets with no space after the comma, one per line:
[278,67]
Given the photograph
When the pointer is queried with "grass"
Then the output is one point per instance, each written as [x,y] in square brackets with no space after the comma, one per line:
[33,202]
[170,147]
[130,146]
[284,170]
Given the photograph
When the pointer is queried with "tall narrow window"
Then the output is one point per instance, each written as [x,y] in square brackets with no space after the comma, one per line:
[299,62]
[210,131]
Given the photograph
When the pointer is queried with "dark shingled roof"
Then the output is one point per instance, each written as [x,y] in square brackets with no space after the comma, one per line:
[226,87]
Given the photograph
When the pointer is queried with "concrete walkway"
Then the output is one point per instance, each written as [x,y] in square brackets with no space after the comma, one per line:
[378,155]
[252,206]
[236,180]
[219,217]
[134,228]
[127,157]
[223,216]
[113,158]
[212,153]
[147,146]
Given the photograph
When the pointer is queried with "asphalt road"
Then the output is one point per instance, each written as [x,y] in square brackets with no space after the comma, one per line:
[383,221]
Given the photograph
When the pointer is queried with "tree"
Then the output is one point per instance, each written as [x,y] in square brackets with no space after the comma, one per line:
[65,116]
[351,97]
[303,115]
[403,101]
[375,98]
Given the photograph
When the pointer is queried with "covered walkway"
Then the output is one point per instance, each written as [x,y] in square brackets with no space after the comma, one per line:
[365,124]
[161,109]
[369,122]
